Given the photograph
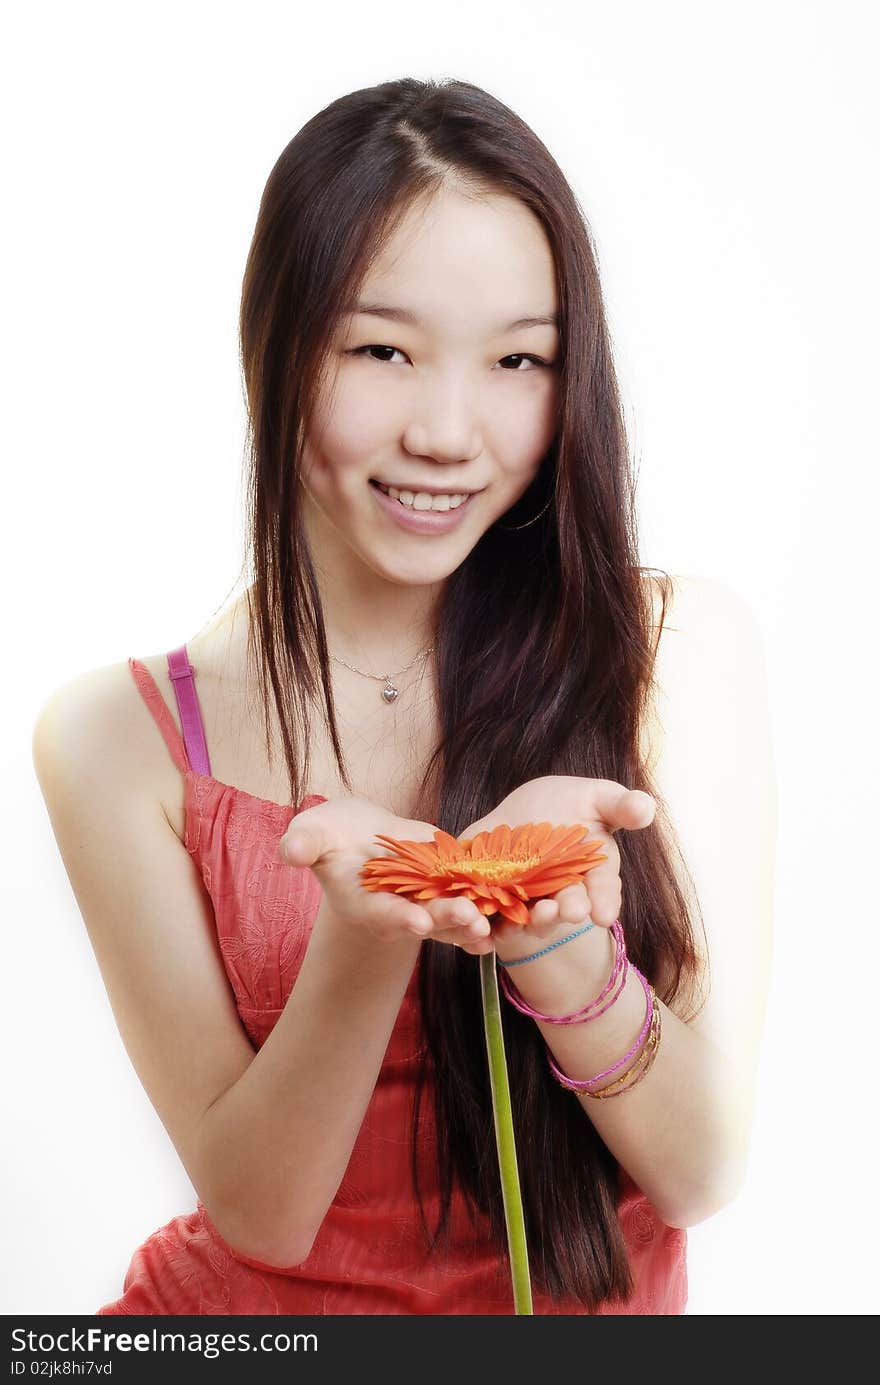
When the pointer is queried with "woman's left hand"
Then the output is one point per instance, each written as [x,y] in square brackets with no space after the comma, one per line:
[601,806]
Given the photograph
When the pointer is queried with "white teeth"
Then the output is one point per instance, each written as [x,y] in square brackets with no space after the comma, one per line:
[422,500]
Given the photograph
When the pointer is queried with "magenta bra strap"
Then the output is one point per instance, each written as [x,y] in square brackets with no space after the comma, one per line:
[180,671]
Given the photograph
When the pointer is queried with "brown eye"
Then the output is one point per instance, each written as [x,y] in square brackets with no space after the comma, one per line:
[519,356]
[374,346]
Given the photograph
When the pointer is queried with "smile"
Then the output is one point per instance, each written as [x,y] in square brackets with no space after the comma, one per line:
[423,518]
[422,500]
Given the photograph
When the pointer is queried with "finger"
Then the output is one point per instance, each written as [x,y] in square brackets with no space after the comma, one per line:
[302,843]
[451,913]
[460,922]
[388,915]
[447,913]
[544,915]
[569,905]
[574,903]
[605,896]
[459,918]
[616,806]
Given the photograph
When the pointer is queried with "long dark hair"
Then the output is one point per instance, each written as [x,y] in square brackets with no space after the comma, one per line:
[545,637]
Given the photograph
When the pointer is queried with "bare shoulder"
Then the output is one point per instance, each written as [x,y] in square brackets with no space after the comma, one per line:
[711,631]
[701,626]
[97,752]
[95,743]
[84,728]
[685,602]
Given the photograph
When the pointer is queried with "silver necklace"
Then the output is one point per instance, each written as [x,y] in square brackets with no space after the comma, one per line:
[389,692]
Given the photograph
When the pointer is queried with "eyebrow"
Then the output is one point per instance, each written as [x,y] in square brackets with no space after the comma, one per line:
[404,315]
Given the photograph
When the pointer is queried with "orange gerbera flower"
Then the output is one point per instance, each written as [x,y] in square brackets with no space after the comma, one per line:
[501,870]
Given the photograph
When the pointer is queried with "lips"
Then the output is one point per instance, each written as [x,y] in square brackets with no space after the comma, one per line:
[420,521]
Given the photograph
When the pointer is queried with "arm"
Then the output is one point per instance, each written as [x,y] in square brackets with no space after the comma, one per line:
[264,1138]
[291,1119]
[682,1134]
[275,1146]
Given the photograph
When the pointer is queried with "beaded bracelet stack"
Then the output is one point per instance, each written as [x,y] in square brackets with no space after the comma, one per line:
[643,1051]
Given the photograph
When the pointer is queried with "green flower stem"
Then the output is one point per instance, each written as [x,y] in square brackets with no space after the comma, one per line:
[501,1110]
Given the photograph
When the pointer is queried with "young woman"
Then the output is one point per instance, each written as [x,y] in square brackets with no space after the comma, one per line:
[445,625]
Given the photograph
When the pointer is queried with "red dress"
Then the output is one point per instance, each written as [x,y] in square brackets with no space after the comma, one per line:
[368,1256]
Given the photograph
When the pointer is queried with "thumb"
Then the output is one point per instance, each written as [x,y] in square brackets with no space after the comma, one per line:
[639,808]
[621,807]
[301,844]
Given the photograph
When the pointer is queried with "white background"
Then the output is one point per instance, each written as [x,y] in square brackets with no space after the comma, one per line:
[725,161]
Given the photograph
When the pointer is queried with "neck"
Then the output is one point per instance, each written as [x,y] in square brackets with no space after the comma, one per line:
[377,625]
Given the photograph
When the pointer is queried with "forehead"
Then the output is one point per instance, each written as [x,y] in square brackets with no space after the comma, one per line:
[455,260]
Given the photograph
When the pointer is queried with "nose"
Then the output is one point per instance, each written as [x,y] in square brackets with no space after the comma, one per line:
[443,427]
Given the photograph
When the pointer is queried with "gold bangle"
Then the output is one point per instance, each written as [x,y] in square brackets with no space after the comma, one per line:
[640,1066]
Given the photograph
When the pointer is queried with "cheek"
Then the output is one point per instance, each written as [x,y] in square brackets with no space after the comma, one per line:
[524,431]
[356,429]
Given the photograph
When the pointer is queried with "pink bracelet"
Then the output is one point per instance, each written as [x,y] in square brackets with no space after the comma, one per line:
[589,1012]
[584,1085]
[640,1068]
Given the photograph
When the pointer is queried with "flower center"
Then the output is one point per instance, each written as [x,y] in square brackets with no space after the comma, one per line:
[495,867]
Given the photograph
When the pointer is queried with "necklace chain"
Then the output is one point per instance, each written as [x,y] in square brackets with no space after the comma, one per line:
[389,692]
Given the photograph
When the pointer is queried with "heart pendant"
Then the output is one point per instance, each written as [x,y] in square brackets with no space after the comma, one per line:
[390,692]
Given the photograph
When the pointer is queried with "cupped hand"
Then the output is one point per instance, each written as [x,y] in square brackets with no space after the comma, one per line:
[336,837]
[602,806]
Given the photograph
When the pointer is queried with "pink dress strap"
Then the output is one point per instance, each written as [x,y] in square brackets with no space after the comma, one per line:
[189,750]
[158,709]
[181,673]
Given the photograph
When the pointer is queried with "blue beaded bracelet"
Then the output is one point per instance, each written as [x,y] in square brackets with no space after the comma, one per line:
[519,961]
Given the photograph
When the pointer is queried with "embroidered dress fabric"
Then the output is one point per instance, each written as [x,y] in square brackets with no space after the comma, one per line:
[369,1256]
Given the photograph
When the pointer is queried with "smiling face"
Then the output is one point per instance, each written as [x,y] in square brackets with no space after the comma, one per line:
[442,395]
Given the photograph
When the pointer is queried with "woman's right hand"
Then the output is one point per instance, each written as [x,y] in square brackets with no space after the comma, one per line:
[336,837]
